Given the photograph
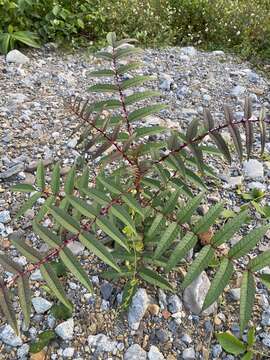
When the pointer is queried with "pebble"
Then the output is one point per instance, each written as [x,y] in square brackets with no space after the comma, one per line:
[102,343]
[135,352]
[155,354]
[238,91]
[41,305]
[15,56]
[174,304]
[8,336]
[23,351]
[195,294]
[235,294]
[12,171]
[76,247]
[189,354]
[216,351]
[253,169]
[65,329]
[266,318]
[106,290]
[138,308]
[68,352]
[4,217]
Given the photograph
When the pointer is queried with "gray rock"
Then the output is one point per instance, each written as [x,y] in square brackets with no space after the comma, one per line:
[135,352]
[102,343]
[189,354]
[257,185]
[23,351]
[175,304]
[216,351]
[253,169]
[266,339]
[162,299]
[166,82]
[15,56]
[106,290]
[253,77]
[76,247]
[238,91]
[234,181]
[218,53]
[195,294]
[4,217]
[68,352]
[11,171]
[163,335]
[155,354]
[266,318]
[189,50]
[235,294]
[72,143]
[8,336]
[36,275]
[65,329]
[41,305]
[186,339]
[138,308]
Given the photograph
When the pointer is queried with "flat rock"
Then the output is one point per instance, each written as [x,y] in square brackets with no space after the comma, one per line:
[195,294]
[76,247]
[138,308]
[11,171]
[135,352]
[41,305]
[65,329]
[102,343]
[253,169]
[155,354]
[15,56]
[8,336]
[5,217]
[189,354]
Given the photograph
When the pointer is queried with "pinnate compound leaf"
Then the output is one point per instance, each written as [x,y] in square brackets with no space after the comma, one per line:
[199,264]
[166,240]
[230,228]
[97,196]
[29,252]
[122,69]
[183,247]
[75,268]
[135,81]
[60,312]
[10,265]
[265,279]
[65,220]
[209,219]
[54,284]
[40,176]
[101,73]
[110,185]
[133,204]
[24,297]
[70,181]
[156,225]
[231,344]
[248,125]
[248,242]
[251,338]
[23,188]
[247,298]
[104,55]
[95,246]
[248,356]
[45,208]
[235,134]
[142,95]
[219,282]
[111,230]
[153,278]
[121,213]
[43,340]
[127,51]
[103,88]
[145,111]
[83,207]
[46,235]
[6,306]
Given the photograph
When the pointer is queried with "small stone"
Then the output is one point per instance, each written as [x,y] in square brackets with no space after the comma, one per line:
[195,294]
[12,171]
[23,351]
[163,335]
[235,294]
[266,318]
[166,82]
[41,305]
[153,309]
[238,91]
[36,275]
[4,217]
[41,355]
[186,339]
[72,143]
[175,304]
[15,56]
[189,354]
[102,343]
[68,352]
[76,247]
[138,308]
[166,314]
[135,352]
[253,169]
[257,185]
[162,299]
[155,354]
[8,336]
[218,53]
[189,51]
[216,351]
[234,181]
[65,329]
[106,290]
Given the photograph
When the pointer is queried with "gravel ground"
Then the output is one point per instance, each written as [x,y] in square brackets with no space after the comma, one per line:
[35,124]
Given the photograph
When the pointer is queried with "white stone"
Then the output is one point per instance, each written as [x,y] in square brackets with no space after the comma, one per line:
[36,275]
[189,354]
[72,143]
[23,351]
[238,91]
[234,181]
[4,217]
[8,336]
[65,329]
[68,352]
[17,57]
[155,354]
[76,247]
[195,294]
[235,294]
[138,308]
[102,343]
[189,50]
[135,352]
[257,185]
[41,305]
[218,53]
[253,169]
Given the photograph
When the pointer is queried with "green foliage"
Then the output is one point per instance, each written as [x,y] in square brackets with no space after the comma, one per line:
[232,345]
[138,212]
[44,339]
